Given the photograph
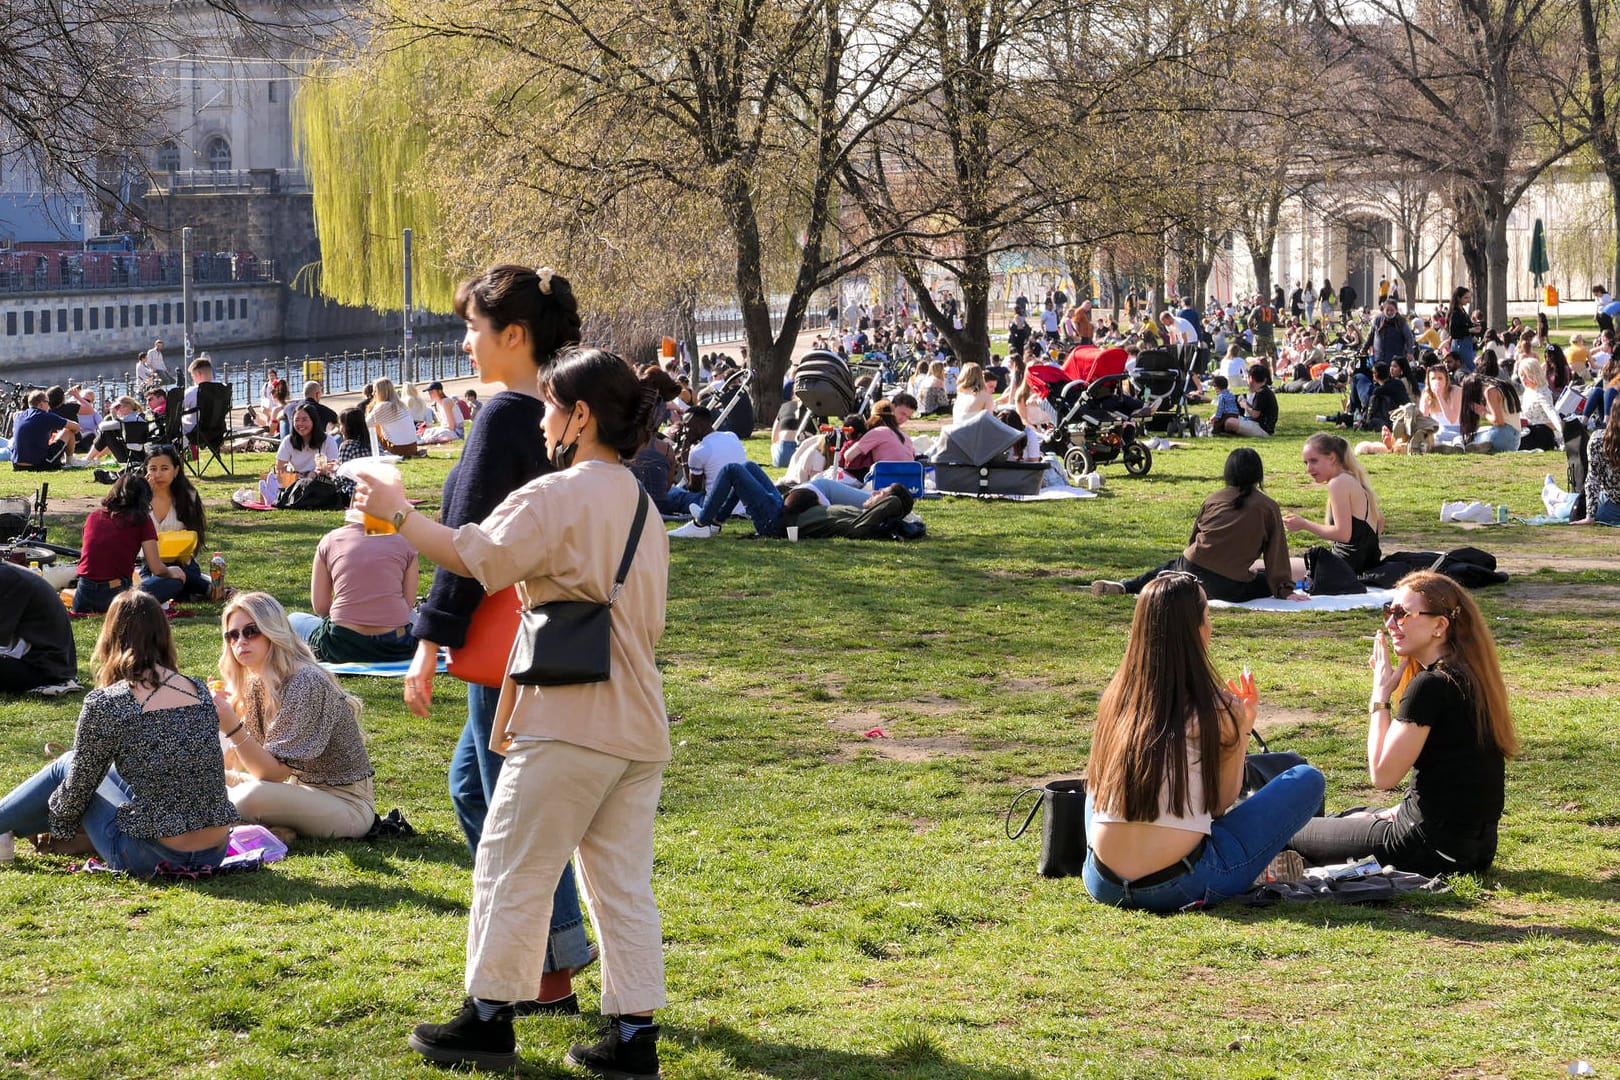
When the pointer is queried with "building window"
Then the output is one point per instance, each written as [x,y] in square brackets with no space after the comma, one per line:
[123,317]
[151,314]
[107,317]
[95,318]
[139,313]
[61,319]
[28,321]
[219,311]
[168,314]
[168,158]
[241,305]
[78,319]
[217,152]
[203,312]
[272,85]
[11,324]
[45,321]
[230,308]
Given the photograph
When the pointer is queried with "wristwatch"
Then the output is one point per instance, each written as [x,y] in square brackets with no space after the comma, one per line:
[400,516]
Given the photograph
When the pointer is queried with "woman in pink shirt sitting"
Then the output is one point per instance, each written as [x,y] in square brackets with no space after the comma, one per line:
[883,441]
[362,589]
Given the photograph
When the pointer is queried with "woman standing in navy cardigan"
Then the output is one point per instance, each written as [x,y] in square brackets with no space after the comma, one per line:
[517,320]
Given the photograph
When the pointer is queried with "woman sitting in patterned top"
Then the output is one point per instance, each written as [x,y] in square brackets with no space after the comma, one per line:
[296,758]
[144,778]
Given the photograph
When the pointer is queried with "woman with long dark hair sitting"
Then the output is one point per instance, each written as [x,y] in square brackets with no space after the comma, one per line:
[1490,414]
[144,779]
[176,507]
[1235,525]
[113,535]
[1439,711]
[1166,765]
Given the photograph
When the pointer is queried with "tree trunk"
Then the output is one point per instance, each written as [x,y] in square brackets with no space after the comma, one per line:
[1496,264]
[766,353]
[1409,285]
[1079,266]
[1262,275]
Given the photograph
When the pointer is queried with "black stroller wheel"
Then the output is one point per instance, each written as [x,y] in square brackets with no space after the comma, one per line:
[1076,463]
[1138,460]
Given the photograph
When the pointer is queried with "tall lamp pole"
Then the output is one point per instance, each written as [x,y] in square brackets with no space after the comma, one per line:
[407,360]
[185,293]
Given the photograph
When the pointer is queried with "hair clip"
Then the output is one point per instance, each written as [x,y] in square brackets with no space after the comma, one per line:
[545,273]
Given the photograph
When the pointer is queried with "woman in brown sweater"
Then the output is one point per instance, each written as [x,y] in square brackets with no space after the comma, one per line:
[1235,526]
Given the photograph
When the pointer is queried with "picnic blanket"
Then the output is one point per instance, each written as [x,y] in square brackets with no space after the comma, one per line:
[1372,598]
[1050,494]
[383,669]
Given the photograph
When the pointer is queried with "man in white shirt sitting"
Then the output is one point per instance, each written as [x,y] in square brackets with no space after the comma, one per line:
[711,450]
[448,414]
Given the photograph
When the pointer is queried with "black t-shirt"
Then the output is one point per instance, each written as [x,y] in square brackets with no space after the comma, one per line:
[1266,402]
[34,613]
[1457,780]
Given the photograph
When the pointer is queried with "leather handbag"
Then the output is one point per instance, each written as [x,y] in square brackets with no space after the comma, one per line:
[493,628]
[566,642]
[1063,830]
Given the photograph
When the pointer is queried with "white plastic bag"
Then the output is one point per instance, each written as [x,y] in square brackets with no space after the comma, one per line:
[1559,503]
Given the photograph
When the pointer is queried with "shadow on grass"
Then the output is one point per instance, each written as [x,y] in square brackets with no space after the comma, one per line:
[909,1056]
[1565,885]
[1424,919]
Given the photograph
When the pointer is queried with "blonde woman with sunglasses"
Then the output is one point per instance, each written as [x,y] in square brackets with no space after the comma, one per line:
[1439,712]
[296,756]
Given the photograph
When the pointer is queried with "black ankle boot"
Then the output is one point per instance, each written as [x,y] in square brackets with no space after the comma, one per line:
[614,1058]
[467,1040]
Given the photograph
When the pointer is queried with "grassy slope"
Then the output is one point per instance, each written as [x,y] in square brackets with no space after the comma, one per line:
[841,907]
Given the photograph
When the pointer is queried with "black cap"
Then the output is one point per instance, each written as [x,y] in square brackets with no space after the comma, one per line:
[436,385]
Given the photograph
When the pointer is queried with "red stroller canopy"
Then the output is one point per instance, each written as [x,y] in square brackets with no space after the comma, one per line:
[1088,363]
[1045,376]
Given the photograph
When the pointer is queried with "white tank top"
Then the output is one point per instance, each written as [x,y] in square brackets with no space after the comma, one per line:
[1199,822]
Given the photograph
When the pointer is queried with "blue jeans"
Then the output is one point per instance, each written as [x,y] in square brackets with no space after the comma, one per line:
[1501,438]
[1361,387]
[1240,845]
[1463,349]
[165,588]
[782,453]
[1606,512]
[90,596]
[303,623]
[26,812]
[474,768]
[747,483]
[1599,401]
[839,493]
[677,501]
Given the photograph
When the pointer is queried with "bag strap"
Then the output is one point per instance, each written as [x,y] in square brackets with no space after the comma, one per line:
[1033,810]
[630,546]
[1255,735]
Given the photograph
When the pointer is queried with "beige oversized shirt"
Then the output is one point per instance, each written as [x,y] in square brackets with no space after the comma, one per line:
[560,537]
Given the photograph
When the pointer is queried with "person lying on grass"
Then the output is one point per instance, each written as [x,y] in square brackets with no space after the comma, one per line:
[144,781]
[1167,762]
[1439,712]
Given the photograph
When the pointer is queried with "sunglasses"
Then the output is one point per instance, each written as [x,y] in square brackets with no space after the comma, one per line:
[1400,614]
[246,633]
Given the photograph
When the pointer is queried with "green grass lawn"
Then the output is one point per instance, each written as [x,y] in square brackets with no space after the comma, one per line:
[837,906]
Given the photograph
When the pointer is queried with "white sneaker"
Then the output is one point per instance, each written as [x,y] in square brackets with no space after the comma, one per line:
[694,531]
[695,509]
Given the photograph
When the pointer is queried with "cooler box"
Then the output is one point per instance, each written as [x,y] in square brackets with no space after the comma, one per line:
[908,474]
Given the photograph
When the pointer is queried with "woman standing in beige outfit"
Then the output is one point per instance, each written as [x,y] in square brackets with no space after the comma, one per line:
[585,760]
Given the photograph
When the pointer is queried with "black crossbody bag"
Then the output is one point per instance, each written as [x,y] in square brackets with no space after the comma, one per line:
[565,642]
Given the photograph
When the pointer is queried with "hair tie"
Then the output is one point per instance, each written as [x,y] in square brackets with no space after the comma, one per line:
[545,273]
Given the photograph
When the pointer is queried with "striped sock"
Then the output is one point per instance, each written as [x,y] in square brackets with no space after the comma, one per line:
[628,1028]
[488,1009]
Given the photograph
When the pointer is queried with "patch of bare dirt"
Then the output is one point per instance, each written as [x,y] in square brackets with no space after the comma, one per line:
[914,750]
[1553,594]
[1270,718]
[1531,561]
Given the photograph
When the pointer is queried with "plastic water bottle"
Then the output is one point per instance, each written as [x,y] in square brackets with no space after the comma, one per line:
[1501,515]
[8,847]
[216,574]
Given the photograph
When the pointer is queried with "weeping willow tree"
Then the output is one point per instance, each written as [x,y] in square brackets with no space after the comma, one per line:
[366,134]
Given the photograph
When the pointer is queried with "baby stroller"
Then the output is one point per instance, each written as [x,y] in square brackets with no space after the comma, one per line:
[826,389]
[732,407]
[1164,383]
[1089,434]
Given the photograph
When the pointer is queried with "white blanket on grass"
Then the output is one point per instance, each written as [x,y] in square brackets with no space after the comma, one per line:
[1372,598]
[1050,494]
